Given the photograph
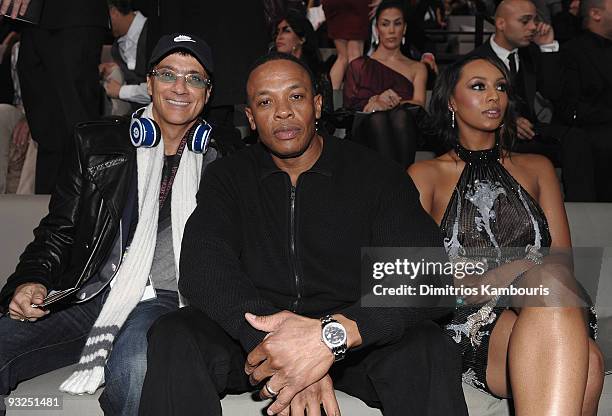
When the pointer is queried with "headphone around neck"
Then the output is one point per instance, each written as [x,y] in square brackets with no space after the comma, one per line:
[144,132]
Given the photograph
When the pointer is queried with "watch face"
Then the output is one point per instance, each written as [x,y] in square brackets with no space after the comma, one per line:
[334,334]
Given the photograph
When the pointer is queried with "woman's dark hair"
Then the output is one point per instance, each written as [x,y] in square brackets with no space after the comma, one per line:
[390,4]
[440,115]
[303,28]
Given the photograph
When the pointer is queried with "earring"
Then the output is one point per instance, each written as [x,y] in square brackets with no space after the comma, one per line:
[403,40]
[452,119]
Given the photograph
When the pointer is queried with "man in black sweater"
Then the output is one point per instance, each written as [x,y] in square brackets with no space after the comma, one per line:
[586,100]
[271,267]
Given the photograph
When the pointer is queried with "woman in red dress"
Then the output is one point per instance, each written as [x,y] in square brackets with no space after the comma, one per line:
[347,25]
[388,86]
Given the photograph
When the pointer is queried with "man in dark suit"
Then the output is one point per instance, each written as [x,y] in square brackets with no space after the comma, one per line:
[129,53]
[586,98]
[528,48]
[58,71]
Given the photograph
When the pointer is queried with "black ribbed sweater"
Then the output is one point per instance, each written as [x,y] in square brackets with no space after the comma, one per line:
[237,257]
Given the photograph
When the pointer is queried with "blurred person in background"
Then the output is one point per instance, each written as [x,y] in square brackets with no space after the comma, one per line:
[586,102]
[9,34]
[125,76]
[568,22]
[58,71]
[17,149]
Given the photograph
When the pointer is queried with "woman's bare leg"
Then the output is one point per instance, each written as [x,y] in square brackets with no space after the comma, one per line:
[336,73]
[544,355]
[354,49]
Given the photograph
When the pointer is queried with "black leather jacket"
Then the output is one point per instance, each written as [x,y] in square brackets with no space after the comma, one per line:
[74,240]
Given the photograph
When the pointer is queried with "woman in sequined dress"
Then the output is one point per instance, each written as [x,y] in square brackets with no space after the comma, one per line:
[491,202]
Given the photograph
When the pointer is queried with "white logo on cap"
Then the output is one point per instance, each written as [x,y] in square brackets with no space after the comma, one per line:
[183,38]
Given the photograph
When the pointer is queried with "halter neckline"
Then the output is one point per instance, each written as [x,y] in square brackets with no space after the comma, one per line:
[478,156]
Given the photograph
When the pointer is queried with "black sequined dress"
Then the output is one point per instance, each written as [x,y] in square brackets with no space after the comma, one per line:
[490,216]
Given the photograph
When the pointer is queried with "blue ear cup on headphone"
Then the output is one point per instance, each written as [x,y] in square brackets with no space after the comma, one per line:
[200,138]
[144,132]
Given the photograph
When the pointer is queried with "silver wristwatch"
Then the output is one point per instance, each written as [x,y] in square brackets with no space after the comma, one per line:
[333,334]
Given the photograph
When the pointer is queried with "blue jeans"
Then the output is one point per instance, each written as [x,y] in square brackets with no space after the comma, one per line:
[31,349]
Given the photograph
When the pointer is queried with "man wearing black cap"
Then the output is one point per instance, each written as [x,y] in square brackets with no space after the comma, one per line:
[103,264]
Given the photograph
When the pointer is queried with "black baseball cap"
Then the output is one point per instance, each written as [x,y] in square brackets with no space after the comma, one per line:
[181,41]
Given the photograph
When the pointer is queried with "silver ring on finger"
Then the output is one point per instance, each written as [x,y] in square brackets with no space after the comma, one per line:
[271,392]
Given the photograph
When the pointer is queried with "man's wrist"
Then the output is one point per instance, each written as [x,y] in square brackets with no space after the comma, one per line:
[124,93]
[353,337]
[550,47]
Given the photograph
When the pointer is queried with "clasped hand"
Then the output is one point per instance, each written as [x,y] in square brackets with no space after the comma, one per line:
[296,362]
[386,100]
